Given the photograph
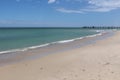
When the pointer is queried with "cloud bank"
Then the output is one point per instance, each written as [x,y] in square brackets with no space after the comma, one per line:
[103,5]
[92,6]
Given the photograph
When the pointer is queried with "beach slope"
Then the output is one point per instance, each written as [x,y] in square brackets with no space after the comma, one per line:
[99,61]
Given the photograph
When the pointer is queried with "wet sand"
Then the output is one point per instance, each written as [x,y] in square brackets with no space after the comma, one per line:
[98,61]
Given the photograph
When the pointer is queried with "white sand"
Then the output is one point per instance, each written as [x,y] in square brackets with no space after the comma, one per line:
[99,61]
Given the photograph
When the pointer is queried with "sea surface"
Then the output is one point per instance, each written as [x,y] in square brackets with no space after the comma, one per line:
[24,38]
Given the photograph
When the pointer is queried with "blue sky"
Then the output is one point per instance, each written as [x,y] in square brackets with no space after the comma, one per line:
[59,13]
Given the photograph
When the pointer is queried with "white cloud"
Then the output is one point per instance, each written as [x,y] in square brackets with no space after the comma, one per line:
[68,11]
[94,6]
[103,5]
[51,1]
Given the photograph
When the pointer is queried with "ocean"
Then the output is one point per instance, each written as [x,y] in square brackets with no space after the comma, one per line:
[28,38]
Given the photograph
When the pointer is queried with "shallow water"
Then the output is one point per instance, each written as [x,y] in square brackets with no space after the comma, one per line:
[21,38]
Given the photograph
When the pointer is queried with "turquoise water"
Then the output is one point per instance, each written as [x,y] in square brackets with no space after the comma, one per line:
[21,38]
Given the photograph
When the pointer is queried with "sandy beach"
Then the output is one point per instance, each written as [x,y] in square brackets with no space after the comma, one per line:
[98,61]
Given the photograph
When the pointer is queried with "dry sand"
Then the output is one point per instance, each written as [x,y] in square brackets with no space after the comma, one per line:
[99,61]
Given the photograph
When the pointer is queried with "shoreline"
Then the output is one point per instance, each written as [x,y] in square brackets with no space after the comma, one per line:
[98,61]
[100,32]
[59,46]
[32,39]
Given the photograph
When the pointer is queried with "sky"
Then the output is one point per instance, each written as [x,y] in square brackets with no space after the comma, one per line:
[59,13]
